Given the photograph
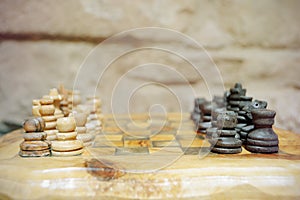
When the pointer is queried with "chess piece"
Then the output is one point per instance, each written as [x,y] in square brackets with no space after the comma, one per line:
[47,110]
[218,106]
[70,100]
[66,143]
[76,99]
[53,94]
[82,135]
[95,117]
[34,144]
[219,102]
[36,107]
[196,114]
[84,108]
[205,122]
[238,102]
[224,137]
[34,125]
[262,139]
[234,96]
[214,115]
[245,124]
[64,104]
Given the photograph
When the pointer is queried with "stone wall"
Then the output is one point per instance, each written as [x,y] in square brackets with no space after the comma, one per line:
[43,43]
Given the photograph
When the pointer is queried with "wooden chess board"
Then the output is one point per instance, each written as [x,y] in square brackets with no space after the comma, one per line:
[151,162]
[172,134]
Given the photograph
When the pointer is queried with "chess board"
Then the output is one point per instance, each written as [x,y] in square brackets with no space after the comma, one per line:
[141,143]
[141,135]
[159,162]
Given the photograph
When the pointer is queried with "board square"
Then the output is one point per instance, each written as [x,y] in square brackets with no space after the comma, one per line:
[137,143]
[165,151]
[158,132]
[141,133]
[106,143]
[131,137]
[162,137]
[191,150]
[101,151]
[131,151]
[115,132]
[173,143]
[187,142]
[186,133]
[112,129]
[114,137]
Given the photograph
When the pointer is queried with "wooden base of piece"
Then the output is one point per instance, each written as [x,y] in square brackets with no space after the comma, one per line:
[67,153]
[41,153]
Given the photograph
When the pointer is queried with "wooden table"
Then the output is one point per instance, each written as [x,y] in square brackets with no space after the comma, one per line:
[216,176]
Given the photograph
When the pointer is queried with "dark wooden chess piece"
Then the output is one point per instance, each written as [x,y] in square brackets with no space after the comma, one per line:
[196,114]
[245,124]
[238,102]
[236,99]
[262,139]
[219,102]
[225,138]
[205,122]
[233,97]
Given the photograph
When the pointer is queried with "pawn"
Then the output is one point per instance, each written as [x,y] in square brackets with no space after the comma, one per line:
[225,138]
[34,144]
[219,102]
[64,105]
[70,100]
[36,107]
[205,121]
[53,94]
[95,117]
[214,115]
[262,139]
[66,143]
[76,98]
[83,108]
[196,114]
[82,135]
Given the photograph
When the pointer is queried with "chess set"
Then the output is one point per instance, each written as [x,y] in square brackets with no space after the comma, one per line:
[69,147]
[63,126]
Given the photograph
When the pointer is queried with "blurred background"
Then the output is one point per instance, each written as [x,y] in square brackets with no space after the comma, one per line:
[44,42]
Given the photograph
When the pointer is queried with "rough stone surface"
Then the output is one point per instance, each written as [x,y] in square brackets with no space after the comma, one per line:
[213,23]
[43,43]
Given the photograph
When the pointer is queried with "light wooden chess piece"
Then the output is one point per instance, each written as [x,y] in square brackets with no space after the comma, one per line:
[66,143]
[81,119]
[47,110]
[76,98]
[70,100]
[95,117]
[53,94]
[83,108]
[36,107]
[73,99]
[64,105]
[34,144]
